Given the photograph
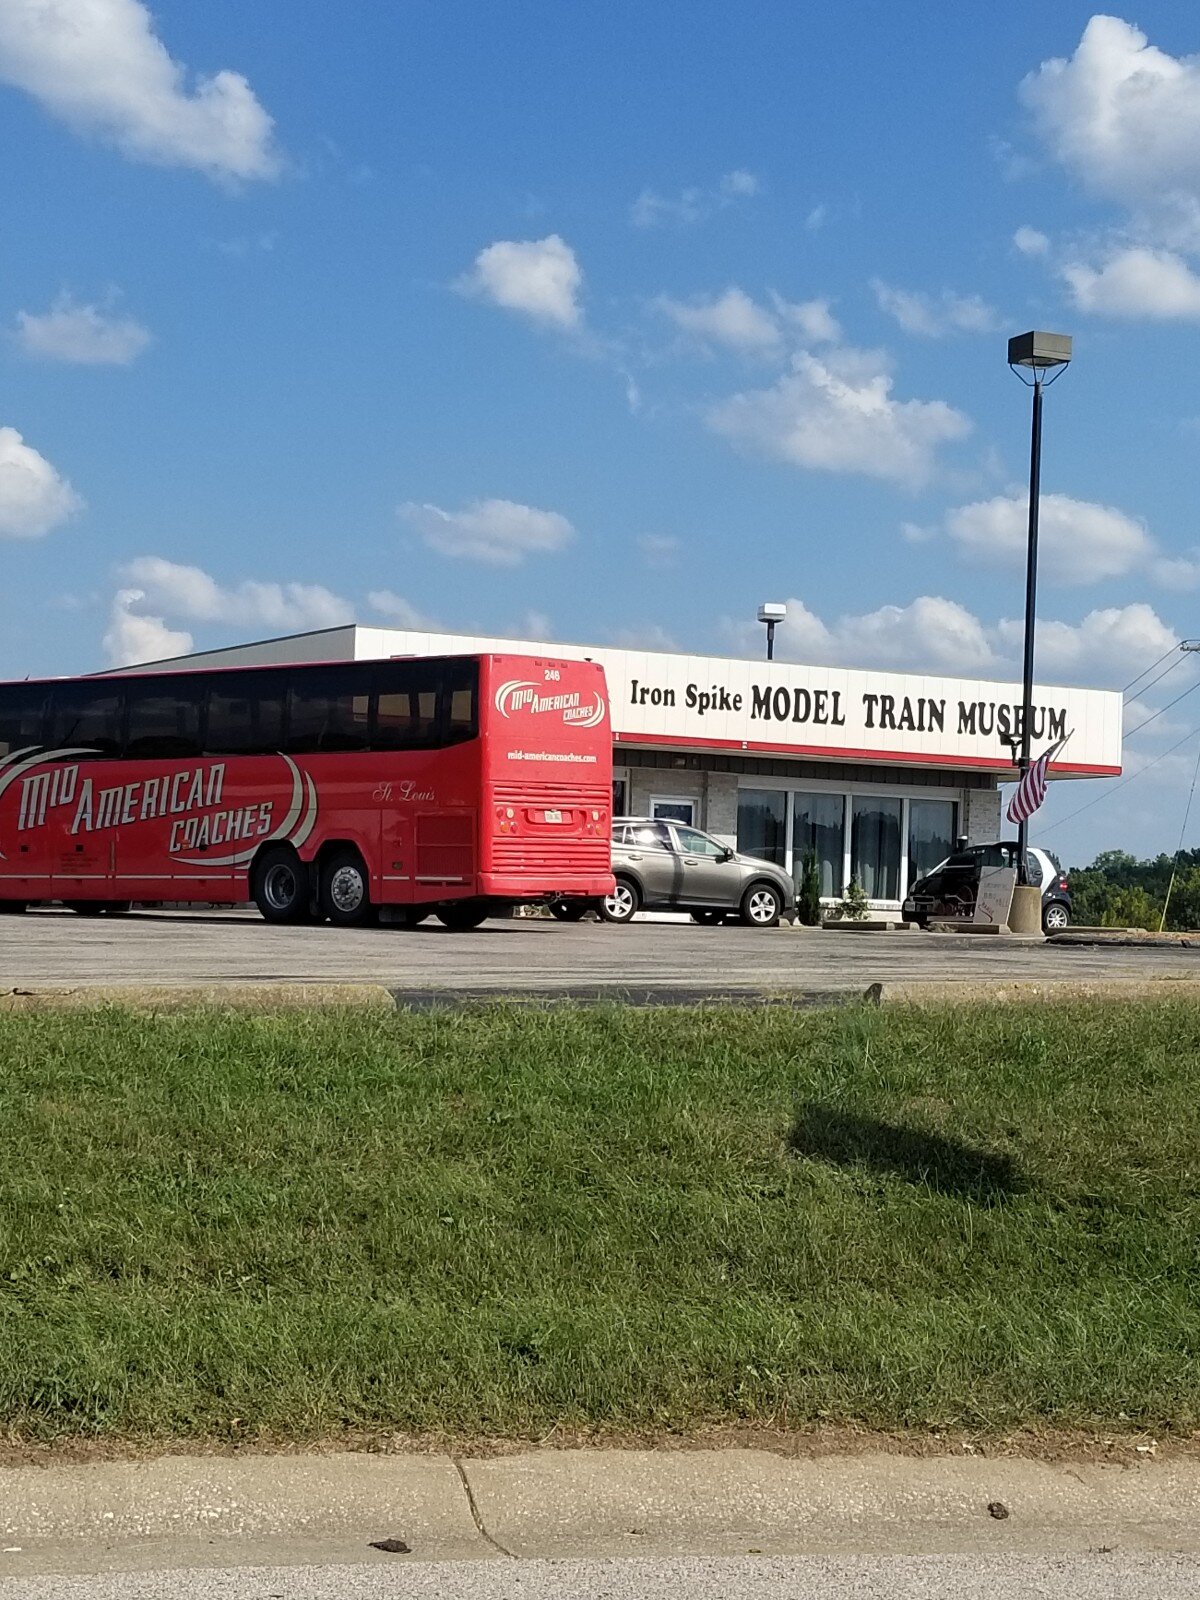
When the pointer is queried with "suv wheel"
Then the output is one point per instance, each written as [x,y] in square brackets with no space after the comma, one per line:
[762,906]
[1055,917]
[621,905]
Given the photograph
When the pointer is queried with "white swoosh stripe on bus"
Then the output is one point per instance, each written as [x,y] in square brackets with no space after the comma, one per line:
[21,762]
[241,857]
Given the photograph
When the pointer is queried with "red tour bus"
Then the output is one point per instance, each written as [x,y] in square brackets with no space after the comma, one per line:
[453,785]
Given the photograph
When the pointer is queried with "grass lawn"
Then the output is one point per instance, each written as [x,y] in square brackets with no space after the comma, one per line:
[492,1221]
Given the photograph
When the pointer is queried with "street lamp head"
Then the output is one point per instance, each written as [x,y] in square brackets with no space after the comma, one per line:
[772,611]
[1039,350]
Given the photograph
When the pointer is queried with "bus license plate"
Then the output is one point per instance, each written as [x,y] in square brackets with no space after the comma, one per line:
[554,816]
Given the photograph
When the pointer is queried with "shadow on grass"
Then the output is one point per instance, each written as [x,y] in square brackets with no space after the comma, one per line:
[947,1166]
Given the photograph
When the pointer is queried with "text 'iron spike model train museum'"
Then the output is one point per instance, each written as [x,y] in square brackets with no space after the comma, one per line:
[876,774]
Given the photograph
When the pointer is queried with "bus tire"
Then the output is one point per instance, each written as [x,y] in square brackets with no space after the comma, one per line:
[279,885]
[85,908]
[12,908]
[463,916]
[568,910]
[345,891]
[412,916]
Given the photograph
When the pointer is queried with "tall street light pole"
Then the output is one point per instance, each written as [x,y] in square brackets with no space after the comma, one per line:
[771,613]
[1037,353]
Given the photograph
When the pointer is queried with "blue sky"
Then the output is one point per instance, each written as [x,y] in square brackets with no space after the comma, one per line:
[607,323]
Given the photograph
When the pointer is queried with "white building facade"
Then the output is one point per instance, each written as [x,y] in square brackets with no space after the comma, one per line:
[876,774]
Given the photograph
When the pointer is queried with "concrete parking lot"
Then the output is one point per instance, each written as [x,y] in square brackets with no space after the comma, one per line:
[530,957]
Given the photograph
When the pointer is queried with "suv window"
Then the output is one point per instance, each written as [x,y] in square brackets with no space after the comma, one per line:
[694,843]
[1034,868]
[641,835]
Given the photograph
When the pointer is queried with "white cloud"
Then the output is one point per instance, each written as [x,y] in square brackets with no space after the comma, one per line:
[499,532]
[836,413]
[1078,542]
[540,278]
[133,637]
[34,498]
[98,65]
[817,218]
[1176,572]
[1108,647]
[693,204]
[659,550]
[733,319]
[812,318]
[935,316]
[1124,117]
[1030,242]
[737,321]
[81,333]
[934,634]
[401,611]
[930,633]
[193,594]
[1137,282]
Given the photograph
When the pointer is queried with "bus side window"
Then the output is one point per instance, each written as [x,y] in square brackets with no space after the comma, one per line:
[164,719]
[328,709]
[21,716]
[462,695]
[406,706]
[85,716]
[245,713]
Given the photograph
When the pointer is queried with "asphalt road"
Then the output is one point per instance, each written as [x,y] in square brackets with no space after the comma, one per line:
[529,956]
[1110,1576]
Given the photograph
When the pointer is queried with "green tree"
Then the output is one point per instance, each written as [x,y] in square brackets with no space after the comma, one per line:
[855,906]
[809,899]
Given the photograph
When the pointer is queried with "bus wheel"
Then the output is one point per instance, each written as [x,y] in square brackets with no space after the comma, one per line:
[279,886]
[463,915]
[412,916]
[85,908]
[567,910]
[345,892]
[12,908]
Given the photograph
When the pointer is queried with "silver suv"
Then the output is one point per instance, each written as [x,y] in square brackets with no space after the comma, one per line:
[665,866]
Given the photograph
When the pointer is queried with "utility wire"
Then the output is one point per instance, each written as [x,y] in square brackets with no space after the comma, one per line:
[1150,668]
[1154,716]
[1071,815]
[1179,847]
[1146,687]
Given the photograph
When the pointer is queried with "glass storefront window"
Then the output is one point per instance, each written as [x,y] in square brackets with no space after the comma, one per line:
[875,845]
[818,823]
[930,836]
[762,824]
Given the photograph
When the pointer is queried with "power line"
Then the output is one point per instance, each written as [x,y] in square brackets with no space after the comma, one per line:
[1071,815]
[1187,811]
[1155,715]
[1150,668]
[1146,687]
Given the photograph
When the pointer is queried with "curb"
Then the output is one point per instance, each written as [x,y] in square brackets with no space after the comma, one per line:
[181,997]
[1027,991]
[181,1511]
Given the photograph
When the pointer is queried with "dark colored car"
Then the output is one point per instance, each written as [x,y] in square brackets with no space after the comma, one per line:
[950,889]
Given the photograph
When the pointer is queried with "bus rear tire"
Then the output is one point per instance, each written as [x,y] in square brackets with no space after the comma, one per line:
[280,886]
[463,916]
[12,908]
[345,891]
[85,908]
[567,910]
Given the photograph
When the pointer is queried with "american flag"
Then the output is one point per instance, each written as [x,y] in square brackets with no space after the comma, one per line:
[1031,790]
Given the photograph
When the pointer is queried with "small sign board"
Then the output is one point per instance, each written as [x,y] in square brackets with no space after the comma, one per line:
[994,900]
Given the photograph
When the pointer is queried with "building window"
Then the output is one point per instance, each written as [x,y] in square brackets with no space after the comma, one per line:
[818,826]
[673,808]
[931,825]
[762,824]
[875,846]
